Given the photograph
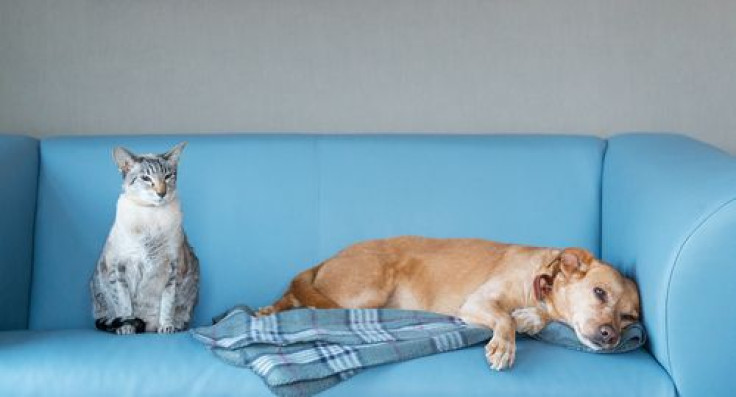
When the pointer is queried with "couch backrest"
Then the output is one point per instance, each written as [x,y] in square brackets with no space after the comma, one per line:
[260,208]
[18,173]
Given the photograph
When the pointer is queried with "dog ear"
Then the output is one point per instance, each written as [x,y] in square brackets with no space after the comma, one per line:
[574,262]
[542,286]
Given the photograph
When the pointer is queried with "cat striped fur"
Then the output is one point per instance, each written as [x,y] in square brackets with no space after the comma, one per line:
[147,277]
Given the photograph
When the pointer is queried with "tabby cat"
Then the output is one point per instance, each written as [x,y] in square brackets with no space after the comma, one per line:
[147,276]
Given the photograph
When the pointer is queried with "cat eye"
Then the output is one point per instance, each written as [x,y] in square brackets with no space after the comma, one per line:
[600,293]
[146,178]
[168,176]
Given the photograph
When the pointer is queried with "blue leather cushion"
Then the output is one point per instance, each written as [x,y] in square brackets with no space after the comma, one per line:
[260,208]
[669,219]
[86,362]
[18,178]
[92,363]
[537,190]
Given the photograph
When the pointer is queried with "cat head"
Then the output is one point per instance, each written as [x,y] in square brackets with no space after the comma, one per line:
[149,179]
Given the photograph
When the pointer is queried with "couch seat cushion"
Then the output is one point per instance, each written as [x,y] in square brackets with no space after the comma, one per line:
[540,370]
[91,363]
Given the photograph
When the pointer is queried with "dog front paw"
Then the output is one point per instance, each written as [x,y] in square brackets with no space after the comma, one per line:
[500,352]
[529,320]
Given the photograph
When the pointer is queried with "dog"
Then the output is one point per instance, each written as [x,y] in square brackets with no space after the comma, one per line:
[506,287]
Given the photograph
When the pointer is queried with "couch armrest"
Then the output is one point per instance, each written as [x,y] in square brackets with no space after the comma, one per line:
[18,185]
[669,220]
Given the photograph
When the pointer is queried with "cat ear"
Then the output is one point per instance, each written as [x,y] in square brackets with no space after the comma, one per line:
[172,156]
[124,158]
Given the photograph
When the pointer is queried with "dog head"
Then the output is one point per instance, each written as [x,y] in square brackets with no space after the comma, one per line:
[590,296]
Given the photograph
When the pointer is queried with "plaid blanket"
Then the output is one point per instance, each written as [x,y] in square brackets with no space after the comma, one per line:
[302,352]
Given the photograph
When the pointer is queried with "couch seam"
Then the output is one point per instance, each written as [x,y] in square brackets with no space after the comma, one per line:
[672,273]
[318,171]
[601,195]
[34,228]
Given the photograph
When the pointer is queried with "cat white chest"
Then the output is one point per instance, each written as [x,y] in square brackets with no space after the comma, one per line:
[149,235]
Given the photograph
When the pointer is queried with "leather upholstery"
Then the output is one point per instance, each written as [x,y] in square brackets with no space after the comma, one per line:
[18,180]
[258,209]
[83,363]
[669,217]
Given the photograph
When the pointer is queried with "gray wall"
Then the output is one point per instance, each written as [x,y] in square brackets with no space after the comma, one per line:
[165,66]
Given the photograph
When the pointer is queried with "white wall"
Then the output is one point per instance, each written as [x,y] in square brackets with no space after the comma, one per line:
[164,66]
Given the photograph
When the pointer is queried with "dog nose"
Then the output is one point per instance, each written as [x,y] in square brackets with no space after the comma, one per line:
[607,334]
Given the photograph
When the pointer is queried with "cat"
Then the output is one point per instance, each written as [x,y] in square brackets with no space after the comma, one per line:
[147,277]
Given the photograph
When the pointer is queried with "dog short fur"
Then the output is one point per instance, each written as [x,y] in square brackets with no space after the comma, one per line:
[508,288]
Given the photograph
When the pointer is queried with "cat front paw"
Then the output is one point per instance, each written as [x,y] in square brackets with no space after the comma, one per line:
[126,329]
[166,329]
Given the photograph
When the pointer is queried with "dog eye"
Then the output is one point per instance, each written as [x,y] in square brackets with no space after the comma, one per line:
[600,293]
[628,317]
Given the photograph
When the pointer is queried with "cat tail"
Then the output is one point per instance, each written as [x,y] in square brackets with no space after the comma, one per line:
[114,324]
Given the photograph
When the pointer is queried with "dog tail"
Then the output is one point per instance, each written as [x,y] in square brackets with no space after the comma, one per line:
[302,293]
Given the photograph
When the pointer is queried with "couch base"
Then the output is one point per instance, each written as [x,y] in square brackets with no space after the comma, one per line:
[92,363]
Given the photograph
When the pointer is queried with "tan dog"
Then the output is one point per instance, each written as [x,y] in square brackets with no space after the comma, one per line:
[508,288]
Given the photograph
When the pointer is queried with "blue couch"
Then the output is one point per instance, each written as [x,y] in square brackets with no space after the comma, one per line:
[260,208]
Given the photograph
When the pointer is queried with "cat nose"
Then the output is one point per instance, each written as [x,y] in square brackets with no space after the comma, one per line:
[161,194]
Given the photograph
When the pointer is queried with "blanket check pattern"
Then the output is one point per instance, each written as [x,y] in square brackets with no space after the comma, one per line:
[302,352]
